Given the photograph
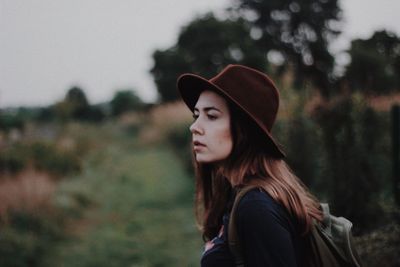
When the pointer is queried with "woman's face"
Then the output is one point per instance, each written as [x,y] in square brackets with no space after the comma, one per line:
[211,133]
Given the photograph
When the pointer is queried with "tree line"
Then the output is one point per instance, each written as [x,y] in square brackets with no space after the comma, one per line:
[74,106]
[277,37]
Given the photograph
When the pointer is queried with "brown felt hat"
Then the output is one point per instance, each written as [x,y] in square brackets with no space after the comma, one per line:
[251,90]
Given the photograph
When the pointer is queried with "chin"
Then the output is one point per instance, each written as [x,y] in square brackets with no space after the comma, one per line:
[201,160]
[208,160]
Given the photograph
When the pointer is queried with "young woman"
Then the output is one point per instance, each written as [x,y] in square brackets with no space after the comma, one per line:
[233,147]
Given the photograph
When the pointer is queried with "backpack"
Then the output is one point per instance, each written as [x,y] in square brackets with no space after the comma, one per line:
[330,241]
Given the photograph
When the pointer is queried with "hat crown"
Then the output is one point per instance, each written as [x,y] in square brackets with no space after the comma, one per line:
[252,90]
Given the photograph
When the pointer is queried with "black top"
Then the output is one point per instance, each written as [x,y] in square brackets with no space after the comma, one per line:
[267,234]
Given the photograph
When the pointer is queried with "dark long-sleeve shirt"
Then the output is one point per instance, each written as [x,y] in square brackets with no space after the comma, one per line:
[267,233]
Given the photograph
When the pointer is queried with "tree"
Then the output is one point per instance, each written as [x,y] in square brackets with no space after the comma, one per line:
[74,105]
[375,63]
[76,98]
[168,64]
[125,100]
[205,46]
[299,31]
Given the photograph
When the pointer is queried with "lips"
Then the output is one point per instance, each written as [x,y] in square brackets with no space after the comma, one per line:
[198,144]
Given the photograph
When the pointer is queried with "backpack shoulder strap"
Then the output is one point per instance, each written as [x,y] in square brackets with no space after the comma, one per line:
[233,239]
[326,220]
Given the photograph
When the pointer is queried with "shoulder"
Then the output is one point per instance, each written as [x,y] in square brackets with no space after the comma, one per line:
[265,231]
[258,208]
[257,199]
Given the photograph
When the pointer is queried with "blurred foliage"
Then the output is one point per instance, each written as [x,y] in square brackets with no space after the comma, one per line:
[162,121]
[357,160]
[300,32]
[32,225]
[125,100]
[279,37]
[380,247]
[27,237]
[75,106]
[180,139]
[47,157]
[205,46]
[42,156]
[375,63]
[10,120]
[395,118]
[304,150]
[16,118]
[13,159]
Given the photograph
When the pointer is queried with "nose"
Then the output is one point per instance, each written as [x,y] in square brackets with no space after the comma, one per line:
[196,128]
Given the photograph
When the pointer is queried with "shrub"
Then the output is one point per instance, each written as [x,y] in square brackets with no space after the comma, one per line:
[180,140]
[42,156]
[27,238]
[124,101]
[304,151]
[13,159]
[46,157]
[10,120]
[356,160]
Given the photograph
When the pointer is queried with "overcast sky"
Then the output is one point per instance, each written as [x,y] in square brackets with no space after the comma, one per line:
[48,46]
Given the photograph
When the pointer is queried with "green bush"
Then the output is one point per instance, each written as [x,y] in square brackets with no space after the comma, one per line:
[43,156]
[26,239]
[125,100]
[13,159]
[180,139]
[47,157]
[356,160]
[10,120]
[304,151]
[342,152]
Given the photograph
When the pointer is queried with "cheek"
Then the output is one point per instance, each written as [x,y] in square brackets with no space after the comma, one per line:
[225,139]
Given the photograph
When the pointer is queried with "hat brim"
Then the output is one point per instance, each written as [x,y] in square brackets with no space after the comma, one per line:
[190,86]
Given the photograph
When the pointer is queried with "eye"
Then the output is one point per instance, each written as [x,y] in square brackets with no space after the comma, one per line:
[195,116]
[211,117]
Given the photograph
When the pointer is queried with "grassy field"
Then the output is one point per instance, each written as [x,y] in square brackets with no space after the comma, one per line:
[138,208]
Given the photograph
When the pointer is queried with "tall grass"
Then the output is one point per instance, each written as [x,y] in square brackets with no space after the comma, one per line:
[29,222]
[30,191]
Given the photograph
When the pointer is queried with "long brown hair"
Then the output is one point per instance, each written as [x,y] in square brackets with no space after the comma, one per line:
[250,162]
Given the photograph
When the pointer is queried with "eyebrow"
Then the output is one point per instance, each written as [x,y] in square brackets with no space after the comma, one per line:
[208,109]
